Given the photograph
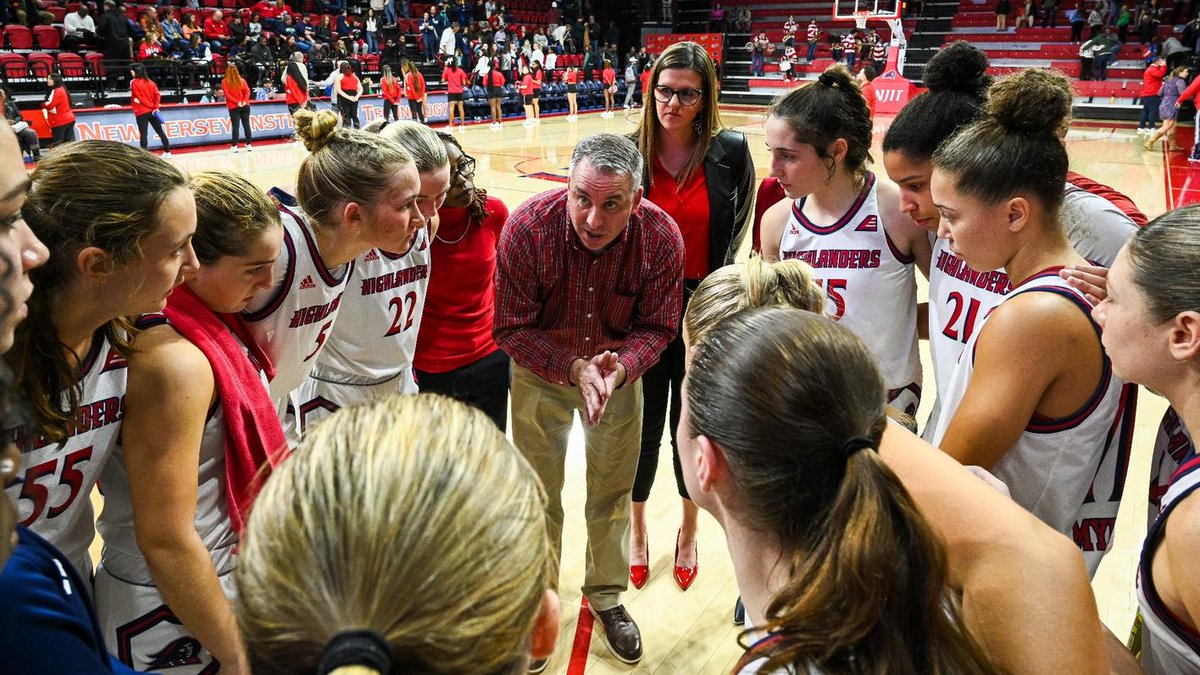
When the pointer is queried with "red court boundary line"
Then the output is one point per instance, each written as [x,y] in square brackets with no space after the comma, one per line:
[1170,193]
[583,640]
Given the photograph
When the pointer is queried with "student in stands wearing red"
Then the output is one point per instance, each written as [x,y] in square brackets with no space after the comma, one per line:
[146,101]
[216,31]
[455,78]
[414,91]
[456,354]
[57,111]
[390,88]
[237,99]
[609,79]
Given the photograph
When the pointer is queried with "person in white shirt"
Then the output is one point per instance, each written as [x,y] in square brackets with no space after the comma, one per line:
[449,42]
[79,29]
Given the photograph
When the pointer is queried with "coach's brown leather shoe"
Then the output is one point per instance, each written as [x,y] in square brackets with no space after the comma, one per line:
[621,634]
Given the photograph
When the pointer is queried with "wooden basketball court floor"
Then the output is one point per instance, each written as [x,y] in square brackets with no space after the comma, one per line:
[692,632]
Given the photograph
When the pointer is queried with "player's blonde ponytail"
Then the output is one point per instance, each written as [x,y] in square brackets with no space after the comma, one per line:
[411,519]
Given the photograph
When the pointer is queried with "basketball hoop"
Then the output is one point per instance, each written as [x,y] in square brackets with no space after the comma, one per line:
[860,18]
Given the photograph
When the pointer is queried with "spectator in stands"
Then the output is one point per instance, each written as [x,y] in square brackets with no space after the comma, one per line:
[172,30]
[198,57]
[291,31]
[1174,90]
[716,20]
[813,35]
[1078,17]
[1096,19]
[216,31]
[758,48]
[324,30]
[850,48]
[787,63]
[1152,83]
[190,27]
[79,30]
[448,44]
[1003,8]
[371,32]
[149,21]
[1027,14]
[146,101]
[237,101]
[1050,14]
[254,29]
[1174,52]
[35,14]
[57,111]
[113,31]
[1123,21]
[26,136]
[1106,48]
[1087,57]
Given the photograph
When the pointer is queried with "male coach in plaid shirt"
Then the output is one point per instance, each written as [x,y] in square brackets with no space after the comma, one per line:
[589,283]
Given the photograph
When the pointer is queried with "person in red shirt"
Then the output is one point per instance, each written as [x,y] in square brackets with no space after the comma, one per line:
[865,77]
[701,175]
[390,88]
[346,92]
[146,101]
[589,285]
[1152,80]
[495,92]
[526,89]
[296,83]
[216,31]
[456,354]
[57,111]
[535,69]
[608,78]
[237,100]
[455,78]
[415,91]
[571,77]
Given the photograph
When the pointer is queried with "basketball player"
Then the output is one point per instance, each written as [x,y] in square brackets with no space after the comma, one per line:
[823,598]
[1033,397]
[347,566]
[370,349]
[121,242]
[355,191]
[198,426]
[846,224]
[961,297]
[1152,332]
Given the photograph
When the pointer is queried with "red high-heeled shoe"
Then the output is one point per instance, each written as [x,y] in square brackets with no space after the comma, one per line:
[684,576]
[640,574]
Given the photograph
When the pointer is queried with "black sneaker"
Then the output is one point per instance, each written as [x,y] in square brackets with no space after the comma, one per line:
[739,613]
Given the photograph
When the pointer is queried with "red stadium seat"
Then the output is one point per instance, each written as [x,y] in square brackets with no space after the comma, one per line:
[95,62]
[48,37]
[59,13]
[71,65]
[18,37]
[14,65]
[40,64]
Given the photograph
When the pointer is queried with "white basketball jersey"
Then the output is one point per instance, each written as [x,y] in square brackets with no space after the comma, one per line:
[291,321]
[122,557]
[1168,646]
[870,287]
[54,497]
[1172,446]
[1069,472]
[960,298]
[375,336]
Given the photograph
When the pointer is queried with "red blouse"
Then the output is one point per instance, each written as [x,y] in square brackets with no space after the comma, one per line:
[688,206]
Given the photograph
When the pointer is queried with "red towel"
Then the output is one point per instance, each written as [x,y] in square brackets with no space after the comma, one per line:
[254,440]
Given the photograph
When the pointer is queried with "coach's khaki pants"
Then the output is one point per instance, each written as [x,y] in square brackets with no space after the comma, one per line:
[542,415]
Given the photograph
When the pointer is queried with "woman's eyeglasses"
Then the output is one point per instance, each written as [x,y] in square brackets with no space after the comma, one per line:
[465,168]
[687,97]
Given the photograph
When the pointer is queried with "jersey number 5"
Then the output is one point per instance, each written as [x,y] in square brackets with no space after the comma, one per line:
[833,291]
[39,494]
[403,308]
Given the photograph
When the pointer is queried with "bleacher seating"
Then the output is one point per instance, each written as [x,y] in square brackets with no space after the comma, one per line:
[18,37]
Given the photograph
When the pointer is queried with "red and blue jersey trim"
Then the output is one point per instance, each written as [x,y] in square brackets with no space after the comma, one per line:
[798,210]
[1154,538]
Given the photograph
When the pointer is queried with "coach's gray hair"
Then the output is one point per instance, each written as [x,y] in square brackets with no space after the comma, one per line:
[427,149]
[1165,257]
[610,153]
[297,56]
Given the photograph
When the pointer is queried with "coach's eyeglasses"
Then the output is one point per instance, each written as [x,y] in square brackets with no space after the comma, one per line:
[465,168]
[687,97]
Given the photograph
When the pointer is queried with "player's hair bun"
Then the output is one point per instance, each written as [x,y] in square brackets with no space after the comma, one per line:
[316,128]
[1031,101]
[961,67]
[838,76]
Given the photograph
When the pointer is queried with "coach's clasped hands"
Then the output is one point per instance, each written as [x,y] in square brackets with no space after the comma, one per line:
[597,379]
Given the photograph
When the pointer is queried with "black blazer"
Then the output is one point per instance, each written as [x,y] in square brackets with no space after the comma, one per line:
[729,172]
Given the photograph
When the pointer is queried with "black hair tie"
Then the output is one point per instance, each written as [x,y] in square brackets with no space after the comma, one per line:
[356,648]
[853,445]
[827,79]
